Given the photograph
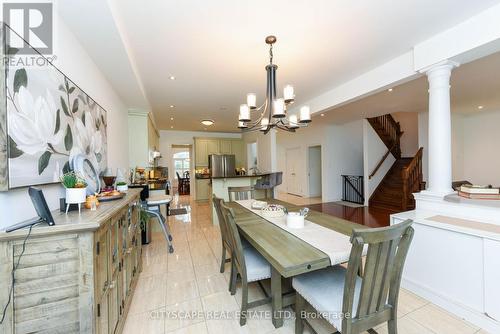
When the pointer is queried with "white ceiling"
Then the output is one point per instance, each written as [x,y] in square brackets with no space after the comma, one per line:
[473,84]
[216,49]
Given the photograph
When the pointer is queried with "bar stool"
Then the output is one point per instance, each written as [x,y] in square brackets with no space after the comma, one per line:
[153,207]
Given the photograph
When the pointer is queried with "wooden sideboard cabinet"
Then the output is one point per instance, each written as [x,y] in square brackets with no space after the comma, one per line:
[77,276]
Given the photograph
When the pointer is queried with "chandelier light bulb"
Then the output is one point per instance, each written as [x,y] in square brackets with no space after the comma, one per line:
[288,94]
[252,100]
[305,114]
[244,113]
[279,108]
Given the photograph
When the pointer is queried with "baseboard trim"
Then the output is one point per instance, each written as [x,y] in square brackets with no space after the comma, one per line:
[462,311]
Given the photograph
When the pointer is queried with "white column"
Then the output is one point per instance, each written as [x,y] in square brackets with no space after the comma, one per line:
[440,176]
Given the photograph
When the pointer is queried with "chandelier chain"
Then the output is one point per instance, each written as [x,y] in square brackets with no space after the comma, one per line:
[271,54]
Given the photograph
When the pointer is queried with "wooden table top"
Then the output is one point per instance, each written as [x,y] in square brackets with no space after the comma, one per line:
[288,254]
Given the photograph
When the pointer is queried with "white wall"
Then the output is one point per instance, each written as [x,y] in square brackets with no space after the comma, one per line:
[409,125]
[266,149]
[481,140]
[474,142]
[73,60]
[173,137]
[373,150]
[341,153]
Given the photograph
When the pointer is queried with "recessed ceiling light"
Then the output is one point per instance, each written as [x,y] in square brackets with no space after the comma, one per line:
[171,118]
[322,115]
[480,107]
[172,77]
[171,106]
[389,90]
[207,122]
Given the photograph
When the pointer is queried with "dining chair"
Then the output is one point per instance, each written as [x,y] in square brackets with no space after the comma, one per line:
[245,261]
[240,193]
[351,303]
[226,246]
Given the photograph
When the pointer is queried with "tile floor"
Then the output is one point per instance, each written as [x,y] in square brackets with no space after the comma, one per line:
[176,291]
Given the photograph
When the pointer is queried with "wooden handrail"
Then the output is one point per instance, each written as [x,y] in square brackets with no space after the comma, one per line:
[412,177]
[382,160]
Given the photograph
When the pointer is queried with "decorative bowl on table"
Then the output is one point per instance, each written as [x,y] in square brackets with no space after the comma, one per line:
[273,211]
[258,205]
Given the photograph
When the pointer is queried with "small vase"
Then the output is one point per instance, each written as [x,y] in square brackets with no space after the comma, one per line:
[75,196]
[122,188]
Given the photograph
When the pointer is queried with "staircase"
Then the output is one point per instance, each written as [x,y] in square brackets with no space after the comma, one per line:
[404,177]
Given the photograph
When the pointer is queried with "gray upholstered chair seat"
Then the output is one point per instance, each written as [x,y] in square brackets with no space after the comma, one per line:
[257,267]
[324,290]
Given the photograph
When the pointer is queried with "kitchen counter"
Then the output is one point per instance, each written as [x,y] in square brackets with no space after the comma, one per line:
[241,176]
[75,222]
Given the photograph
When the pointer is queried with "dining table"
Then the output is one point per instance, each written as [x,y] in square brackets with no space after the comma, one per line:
[288,254]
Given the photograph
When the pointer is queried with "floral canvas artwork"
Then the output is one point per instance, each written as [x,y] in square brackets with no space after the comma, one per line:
[50,120]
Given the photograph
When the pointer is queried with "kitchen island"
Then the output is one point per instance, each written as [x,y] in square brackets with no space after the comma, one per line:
[219,185]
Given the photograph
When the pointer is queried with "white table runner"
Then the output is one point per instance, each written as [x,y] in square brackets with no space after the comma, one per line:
[334,244]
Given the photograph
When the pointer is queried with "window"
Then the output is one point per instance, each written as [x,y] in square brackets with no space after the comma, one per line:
[182,163]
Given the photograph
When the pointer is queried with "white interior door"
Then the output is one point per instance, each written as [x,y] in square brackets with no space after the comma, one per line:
[292,177]
[314,173]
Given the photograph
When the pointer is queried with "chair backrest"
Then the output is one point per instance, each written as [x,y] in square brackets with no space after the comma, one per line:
[278,179]
[178,176]
[378,295]
[220,216]
[234,239]
[240,193]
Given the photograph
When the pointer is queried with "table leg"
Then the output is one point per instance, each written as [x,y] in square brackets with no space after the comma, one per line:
[277,298]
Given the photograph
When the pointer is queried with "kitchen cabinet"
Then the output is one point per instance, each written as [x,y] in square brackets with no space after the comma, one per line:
[143,138]
[237,148]
[202,189]
[206,146]
[82,272]
[226,146]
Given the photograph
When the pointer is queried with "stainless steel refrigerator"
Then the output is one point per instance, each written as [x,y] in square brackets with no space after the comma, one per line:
[222,165]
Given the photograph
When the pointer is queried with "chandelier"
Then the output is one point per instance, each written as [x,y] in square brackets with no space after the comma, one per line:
[273,112]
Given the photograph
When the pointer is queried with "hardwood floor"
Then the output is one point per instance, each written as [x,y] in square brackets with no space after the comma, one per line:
[373,217]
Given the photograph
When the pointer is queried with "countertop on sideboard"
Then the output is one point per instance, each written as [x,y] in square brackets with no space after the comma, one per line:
[74,222]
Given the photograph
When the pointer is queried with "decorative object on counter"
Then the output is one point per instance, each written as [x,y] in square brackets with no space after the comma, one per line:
[479,192]
[76,189]
[84,167]
[47,122]
[92,203]
[272,113]
[273,211]
[122,186]
[112,195]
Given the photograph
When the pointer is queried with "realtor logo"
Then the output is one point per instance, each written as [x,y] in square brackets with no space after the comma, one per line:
[32,27]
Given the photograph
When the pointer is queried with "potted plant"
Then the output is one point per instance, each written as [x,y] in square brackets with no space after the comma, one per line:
[122,186]
[76,189]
